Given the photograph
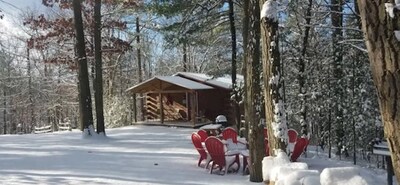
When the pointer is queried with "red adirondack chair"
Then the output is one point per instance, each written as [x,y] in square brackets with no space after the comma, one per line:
[203,134]
[292,135]
[196,140]
[298,149]
[216,149]
[265,133]
[230,133]
[266,147]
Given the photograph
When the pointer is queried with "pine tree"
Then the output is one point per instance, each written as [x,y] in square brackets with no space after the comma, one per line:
[337,53]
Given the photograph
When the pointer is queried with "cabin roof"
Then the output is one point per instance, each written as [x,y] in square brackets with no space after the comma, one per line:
[221,82]
[163,82]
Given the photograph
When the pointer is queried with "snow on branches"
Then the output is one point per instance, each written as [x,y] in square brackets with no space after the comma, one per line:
[397,34]
[390,8]
[270,10]
[279,124]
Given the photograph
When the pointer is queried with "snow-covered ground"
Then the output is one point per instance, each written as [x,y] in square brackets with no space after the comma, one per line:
[129,155]
[318,169]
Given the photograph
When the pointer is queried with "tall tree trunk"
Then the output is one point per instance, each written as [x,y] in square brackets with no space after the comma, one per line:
[85,101]
[6,90]
[337,35]
[329,124]
[59,108]
[253,94]
[245,35]
[98,85]
[357,14]
[383,51]
[275,119]
[302,66]
[353,115]
[185,61]
[235,102]
[140,73]
[5,110]
[358,22]
[31,104]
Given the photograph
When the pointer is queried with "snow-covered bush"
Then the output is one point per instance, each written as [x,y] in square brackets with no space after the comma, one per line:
[269,163]
[345,176]
[297,177]
[116,112]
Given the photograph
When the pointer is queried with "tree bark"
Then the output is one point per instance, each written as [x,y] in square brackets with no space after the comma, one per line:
[253,94]
[302,71]
[357,14]
[272,82]
[383,51]
[235,102]
[31,104]
[98,82]
[85,101]
[245,35]
[140,73]
[358,21]
[337,35]
[5,111]
[5,91]
[185,61]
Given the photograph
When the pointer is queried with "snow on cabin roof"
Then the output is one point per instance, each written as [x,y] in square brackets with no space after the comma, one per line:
[223,82]
[176,80]
[183,82]
[196,76]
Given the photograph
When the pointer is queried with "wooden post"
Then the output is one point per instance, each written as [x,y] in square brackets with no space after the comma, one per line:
[389,169]
[144,107]
[383,162]
[134,108]
[161,108]
[161,104]
[187,106]
[197,104]
[192,109]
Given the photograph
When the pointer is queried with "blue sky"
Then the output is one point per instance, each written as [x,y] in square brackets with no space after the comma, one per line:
[11,25]
[13,7]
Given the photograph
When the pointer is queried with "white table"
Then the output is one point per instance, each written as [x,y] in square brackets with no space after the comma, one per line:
[238,149]
[212,129]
